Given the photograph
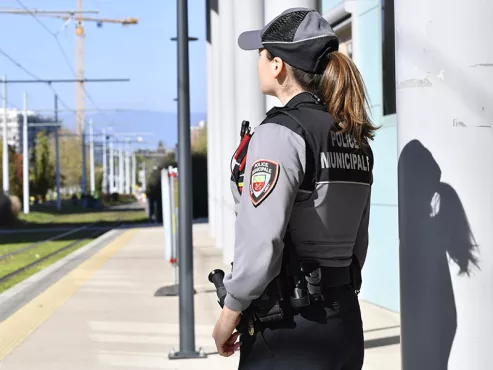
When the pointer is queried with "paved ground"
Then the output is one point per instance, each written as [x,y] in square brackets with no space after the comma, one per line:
[104,315]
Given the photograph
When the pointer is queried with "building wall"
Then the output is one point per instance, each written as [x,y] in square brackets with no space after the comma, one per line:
[330,4]
[381,271]
[15,124]
[14,129]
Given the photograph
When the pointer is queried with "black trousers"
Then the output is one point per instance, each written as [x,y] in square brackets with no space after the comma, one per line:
[327,336]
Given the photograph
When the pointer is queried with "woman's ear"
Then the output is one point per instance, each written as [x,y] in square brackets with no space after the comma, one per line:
[277,67]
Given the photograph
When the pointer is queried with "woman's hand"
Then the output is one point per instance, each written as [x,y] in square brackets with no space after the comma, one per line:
[223,332]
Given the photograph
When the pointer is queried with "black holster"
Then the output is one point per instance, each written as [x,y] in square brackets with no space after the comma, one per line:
[356,278]
[278,304]
[272,308]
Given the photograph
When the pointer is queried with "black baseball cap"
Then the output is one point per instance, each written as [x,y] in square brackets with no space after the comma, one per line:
[299,36]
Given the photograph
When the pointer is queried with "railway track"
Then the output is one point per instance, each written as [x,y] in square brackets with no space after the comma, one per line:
[37,244]
[88,236]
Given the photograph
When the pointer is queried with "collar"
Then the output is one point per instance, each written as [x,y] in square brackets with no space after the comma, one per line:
[301,98]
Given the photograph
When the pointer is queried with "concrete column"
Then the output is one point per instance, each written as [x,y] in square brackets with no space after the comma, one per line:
[444,108]
[272,9]
[229,138]
[250,102]
[211,6]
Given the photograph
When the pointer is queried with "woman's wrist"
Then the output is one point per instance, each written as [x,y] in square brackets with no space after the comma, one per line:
[230,313]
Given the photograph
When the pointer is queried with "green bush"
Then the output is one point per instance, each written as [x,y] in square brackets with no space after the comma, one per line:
[7,217]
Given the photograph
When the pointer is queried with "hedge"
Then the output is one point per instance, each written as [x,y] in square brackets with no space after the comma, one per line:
[7,217]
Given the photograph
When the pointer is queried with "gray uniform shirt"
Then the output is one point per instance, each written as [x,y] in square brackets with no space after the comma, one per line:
[329,223]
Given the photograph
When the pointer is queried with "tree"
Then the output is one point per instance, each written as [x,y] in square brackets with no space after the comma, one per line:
[199,174]
[15,170]
[200,144]
[160,146]
[70,147]
[43,174]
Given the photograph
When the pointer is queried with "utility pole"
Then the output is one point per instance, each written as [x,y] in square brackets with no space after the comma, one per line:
[5,158]
[105,186]
[84,166]
[120,170]
[25,160]
[57,154]
[144,184]
[186,301]
[134,173]
[112,166]
[79,71]
[127,167]
[91,156]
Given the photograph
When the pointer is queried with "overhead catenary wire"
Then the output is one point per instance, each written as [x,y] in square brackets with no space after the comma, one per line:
[25,70]
[9,103]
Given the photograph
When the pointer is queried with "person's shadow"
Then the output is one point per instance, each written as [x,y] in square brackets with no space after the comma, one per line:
[434,231]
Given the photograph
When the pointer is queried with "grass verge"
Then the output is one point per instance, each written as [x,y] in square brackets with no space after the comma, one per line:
[15,262]
[105,218]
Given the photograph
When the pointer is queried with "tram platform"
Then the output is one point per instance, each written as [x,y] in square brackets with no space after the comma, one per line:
[104,314]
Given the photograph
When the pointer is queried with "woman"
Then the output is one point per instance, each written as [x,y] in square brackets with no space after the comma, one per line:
[307,177]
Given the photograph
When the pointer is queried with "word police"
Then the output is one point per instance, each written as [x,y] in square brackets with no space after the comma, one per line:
[344,160]
[262,166]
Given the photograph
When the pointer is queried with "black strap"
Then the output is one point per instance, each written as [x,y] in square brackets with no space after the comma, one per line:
[311,144]
[307,135]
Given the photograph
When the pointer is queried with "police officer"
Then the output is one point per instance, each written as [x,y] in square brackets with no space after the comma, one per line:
[302,184]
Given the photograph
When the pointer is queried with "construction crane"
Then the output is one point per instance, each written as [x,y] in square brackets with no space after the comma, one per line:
[79,17]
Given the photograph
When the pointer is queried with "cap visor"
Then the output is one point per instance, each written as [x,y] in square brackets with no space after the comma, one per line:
[250,40]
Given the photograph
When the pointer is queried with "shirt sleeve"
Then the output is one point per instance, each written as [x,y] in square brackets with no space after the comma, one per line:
[361,245]
[274,171]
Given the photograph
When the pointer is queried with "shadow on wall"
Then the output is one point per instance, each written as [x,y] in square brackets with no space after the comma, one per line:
[434,231]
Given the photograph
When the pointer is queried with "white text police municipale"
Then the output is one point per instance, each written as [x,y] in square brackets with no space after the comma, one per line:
[344,160]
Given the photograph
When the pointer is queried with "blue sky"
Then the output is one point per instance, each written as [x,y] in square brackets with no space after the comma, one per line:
[142,52]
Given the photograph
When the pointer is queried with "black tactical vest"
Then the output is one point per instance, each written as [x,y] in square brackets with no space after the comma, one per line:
[307,116]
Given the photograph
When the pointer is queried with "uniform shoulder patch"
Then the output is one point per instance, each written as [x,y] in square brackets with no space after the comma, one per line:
[263,179]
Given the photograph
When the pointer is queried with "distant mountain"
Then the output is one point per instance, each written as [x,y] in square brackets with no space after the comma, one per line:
[162,125]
